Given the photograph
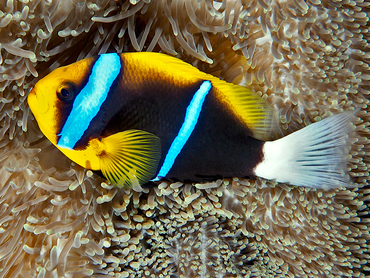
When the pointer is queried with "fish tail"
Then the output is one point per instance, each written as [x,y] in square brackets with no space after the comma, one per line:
[315,156]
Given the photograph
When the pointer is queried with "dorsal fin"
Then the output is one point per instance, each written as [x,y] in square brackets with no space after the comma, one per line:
[248,106]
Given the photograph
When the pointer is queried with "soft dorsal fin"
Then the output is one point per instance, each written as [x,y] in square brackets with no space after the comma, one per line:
[129,156]
[251,108]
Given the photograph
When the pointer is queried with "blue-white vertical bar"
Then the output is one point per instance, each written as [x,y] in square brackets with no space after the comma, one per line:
[190,121]
[89,101]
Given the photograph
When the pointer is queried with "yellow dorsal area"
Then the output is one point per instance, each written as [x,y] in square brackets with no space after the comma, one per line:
[245,104]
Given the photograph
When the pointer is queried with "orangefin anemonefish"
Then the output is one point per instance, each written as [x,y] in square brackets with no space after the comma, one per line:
[147,116]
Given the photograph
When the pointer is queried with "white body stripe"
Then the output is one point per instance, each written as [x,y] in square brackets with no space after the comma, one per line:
[190,121]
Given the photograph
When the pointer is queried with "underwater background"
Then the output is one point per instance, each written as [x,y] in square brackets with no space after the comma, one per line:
[308,59]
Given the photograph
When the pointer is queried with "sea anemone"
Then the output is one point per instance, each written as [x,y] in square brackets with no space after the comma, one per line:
[308,59]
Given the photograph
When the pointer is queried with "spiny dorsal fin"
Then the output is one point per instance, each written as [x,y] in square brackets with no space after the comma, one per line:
[129,156]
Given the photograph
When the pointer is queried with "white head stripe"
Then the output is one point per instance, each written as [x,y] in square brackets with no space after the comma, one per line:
[89,101]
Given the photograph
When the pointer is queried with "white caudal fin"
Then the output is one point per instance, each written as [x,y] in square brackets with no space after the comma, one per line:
[315,156]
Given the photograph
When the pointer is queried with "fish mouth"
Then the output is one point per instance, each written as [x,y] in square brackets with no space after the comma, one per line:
[32,99]
[34,103]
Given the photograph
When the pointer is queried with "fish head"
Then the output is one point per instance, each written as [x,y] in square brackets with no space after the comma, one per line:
[52,97]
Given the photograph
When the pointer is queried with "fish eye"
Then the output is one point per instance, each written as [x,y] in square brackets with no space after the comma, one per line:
[65,93]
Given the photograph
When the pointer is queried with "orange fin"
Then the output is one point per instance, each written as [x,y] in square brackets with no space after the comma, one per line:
[129,156]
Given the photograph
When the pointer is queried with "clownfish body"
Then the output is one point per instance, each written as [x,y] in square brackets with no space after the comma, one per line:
[147,116]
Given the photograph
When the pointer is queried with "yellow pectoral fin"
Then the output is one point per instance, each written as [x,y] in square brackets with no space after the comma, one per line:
[129,156]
